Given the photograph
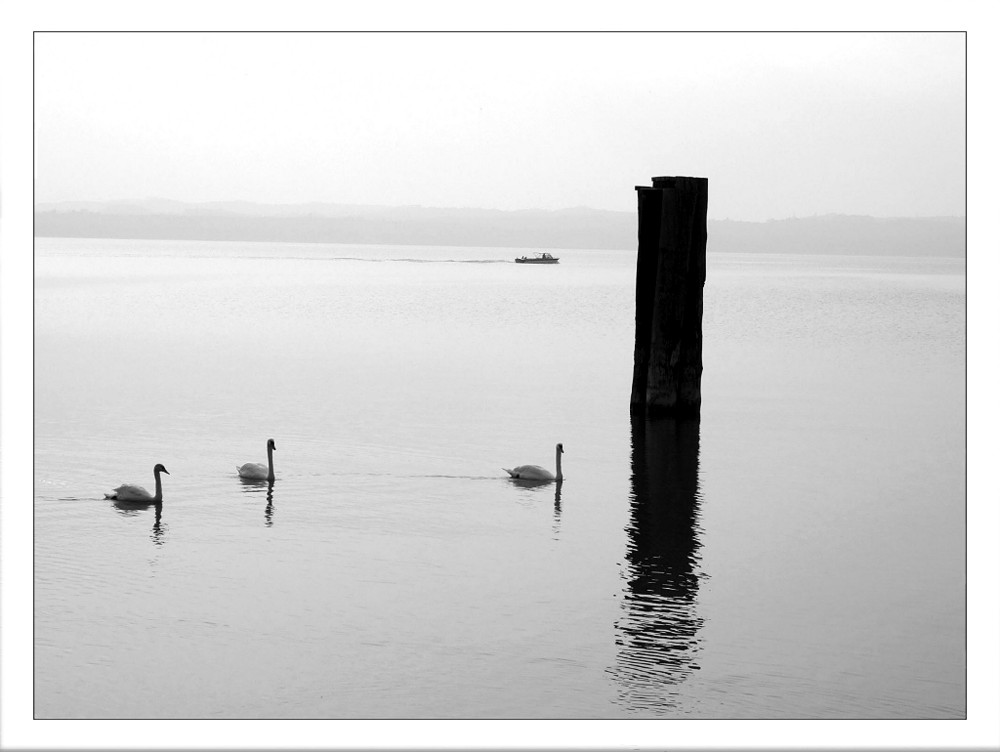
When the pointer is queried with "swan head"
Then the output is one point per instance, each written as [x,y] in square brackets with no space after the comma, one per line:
[160,469]
[559,448]
[270,444]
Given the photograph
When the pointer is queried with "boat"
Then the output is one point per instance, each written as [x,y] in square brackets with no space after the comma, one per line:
[539,258]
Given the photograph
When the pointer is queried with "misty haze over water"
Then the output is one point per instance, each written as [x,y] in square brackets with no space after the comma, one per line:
[415,225]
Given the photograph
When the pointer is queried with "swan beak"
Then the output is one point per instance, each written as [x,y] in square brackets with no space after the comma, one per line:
[166,471]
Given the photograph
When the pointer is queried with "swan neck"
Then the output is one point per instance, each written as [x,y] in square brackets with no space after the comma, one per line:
[270,462]
[558,465]
[158,496]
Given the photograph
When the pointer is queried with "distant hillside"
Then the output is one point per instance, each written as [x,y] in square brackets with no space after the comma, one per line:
[414,225]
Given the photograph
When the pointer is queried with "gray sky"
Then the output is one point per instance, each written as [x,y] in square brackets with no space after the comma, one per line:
[782,125]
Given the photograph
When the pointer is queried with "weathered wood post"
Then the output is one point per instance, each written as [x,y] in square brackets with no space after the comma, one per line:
[669,285]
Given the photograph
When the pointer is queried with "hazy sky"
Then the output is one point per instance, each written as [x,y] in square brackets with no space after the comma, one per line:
[782,125]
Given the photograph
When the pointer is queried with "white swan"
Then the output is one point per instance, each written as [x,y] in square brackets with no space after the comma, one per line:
[257,471]
[128,492]
[534,472]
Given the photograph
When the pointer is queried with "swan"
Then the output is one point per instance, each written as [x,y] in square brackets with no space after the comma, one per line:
[257,471]
[129,492]
[534,472]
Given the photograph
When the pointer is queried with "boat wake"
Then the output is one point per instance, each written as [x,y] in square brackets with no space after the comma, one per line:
[452,261]
[414,476]
[380,260]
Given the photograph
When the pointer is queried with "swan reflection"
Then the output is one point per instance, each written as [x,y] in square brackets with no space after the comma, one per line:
[253,486]
[157,535]
[542,487]
[657,633]
[532,485]
[557,509]
[252,483]
[135,508]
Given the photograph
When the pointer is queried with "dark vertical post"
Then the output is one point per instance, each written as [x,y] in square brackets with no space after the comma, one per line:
[650,200]
[670,279]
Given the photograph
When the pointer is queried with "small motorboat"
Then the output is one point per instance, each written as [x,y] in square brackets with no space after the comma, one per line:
[539,258]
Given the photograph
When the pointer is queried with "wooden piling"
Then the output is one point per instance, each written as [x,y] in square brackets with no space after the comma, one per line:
[670,279]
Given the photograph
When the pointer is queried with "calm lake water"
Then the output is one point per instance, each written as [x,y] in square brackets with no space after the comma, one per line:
[798,553]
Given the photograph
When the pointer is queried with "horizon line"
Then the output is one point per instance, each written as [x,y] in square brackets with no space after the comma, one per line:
[578,208]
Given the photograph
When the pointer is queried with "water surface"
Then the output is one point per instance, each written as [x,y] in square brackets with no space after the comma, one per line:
[796,553]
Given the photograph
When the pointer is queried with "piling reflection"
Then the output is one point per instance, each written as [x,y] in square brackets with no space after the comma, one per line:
[657,633]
